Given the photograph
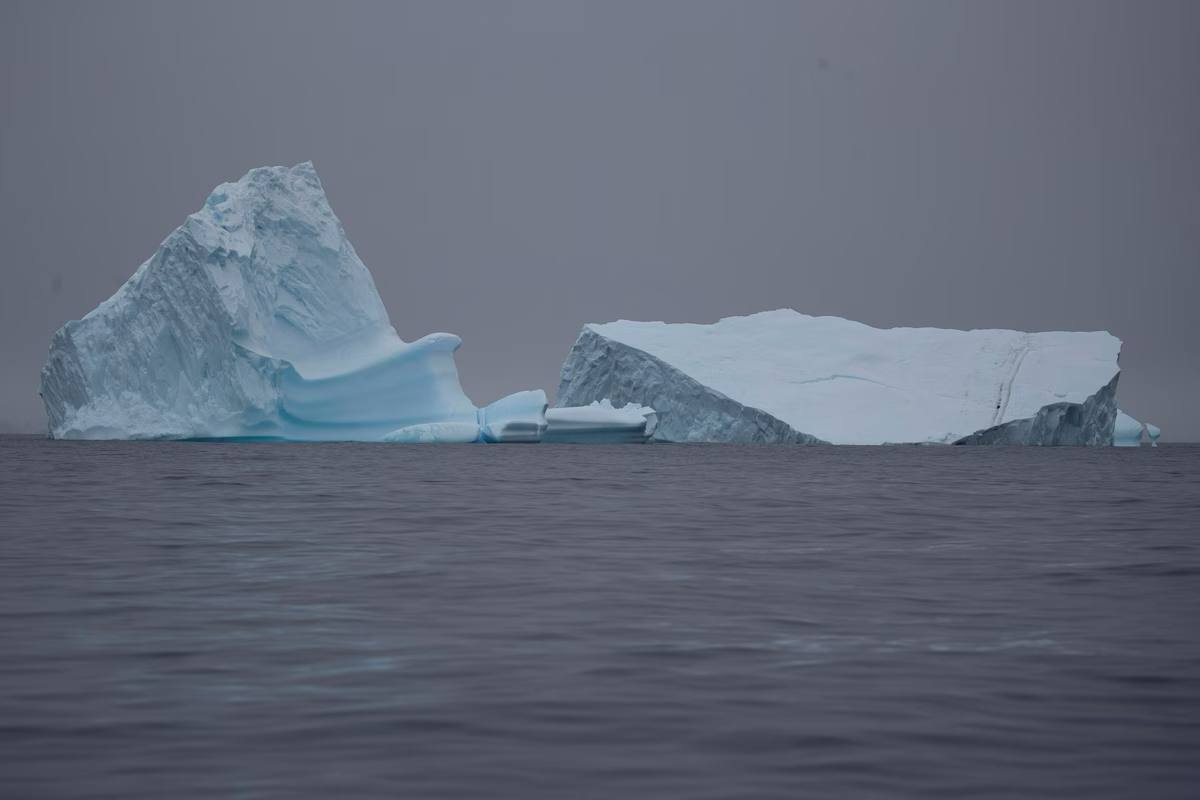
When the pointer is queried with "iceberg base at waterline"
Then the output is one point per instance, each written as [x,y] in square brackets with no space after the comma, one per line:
[524,418]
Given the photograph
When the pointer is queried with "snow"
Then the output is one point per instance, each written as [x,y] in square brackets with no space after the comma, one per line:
[255,318]
[786,376]
[1127,432]
[600,421]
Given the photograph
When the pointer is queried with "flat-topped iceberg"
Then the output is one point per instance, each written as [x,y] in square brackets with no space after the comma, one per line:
[782,376]
[255,318]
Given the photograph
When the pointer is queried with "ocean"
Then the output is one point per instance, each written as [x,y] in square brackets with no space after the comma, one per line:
[315,621]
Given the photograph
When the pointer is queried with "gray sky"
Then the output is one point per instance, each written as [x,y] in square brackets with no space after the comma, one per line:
[511,170]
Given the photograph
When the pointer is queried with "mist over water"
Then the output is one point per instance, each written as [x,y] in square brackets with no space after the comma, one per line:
[253,620]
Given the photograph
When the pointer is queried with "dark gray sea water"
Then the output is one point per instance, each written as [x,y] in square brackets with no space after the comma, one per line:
[270,620]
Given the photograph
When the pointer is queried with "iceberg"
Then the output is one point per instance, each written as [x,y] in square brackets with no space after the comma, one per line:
[783,376]
[1152,433]
[1127,431]
[255,319]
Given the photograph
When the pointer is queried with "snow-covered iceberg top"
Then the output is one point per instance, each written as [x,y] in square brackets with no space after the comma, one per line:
[786,376]
[255,318]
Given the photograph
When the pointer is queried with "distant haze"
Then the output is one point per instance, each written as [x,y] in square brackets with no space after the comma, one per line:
[511,170]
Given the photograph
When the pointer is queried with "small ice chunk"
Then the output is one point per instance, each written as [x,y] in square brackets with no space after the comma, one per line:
[1153,431]
[519,417]
[600,422]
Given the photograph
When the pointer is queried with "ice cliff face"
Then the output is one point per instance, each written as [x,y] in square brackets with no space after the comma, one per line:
[254,318]
[782,376]
[1090,423]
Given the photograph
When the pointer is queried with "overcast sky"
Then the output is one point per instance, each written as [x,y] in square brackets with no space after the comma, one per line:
[511,170]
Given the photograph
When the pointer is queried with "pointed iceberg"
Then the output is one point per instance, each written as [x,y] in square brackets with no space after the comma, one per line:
[255,318]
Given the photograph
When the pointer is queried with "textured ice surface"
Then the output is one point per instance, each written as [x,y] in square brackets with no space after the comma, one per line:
[782,376]
[1127,432]
[600,421]
[255,318]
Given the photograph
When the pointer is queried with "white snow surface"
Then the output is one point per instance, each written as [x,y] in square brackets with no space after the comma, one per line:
[849,383]
[255,318]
